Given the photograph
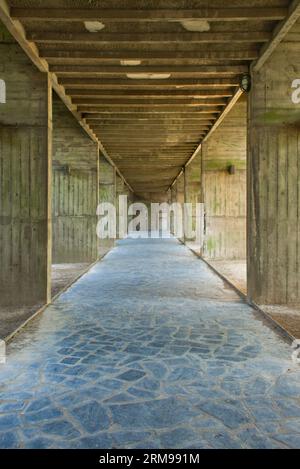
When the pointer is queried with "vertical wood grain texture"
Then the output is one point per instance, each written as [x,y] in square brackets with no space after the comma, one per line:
[274,181]
[75,190]
[225,194]
[25,181]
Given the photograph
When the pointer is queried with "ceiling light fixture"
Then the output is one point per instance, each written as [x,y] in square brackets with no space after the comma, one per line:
[245,83]
[130,63]
[94,26]
[199,26]
[148,76]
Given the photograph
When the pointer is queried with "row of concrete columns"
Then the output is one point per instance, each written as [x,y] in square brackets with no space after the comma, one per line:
[248,176]
[52,180]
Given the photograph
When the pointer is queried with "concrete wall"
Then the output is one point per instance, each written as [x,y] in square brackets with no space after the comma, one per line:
[274,175]
[25,179]
[224,194]
[75,189]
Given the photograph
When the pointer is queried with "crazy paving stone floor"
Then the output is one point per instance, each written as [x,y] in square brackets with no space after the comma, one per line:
[149,350]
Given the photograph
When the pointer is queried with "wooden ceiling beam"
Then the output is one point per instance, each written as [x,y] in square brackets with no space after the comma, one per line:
[148,118]
[123,125]
[94,83]
[160,126]
[172,139]
[157,94]
[144,110]
[149,130]
[175,70]
[52,37]
[52,55]
[149,102]
[148,15]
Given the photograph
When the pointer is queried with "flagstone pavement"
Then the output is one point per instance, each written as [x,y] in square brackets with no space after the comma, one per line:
[149,349]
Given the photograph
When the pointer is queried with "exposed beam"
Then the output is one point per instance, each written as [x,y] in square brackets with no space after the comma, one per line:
[17,31]
[119,110]
[148,15]
[157,94]
[279,34]
[180,139]
[175,70]
[163,126]
[132,144]
[149,130]
[115,123]
[41,37]
[78,56]
[149,102]
[146,116]
[218,122]
[94,83]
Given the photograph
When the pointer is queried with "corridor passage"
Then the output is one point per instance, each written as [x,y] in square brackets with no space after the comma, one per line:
[149,350]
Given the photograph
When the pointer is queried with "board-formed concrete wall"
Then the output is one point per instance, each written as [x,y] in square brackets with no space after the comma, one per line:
[75,189]
[274,175]
[25,179]
[225,194]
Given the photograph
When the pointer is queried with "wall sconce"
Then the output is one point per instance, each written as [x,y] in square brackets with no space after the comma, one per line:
[231,169]
[2,92]
[245,83]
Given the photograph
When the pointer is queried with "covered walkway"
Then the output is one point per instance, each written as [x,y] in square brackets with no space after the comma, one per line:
[149,349]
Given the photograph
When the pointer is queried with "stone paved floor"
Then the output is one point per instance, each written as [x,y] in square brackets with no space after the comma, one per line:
[149,350]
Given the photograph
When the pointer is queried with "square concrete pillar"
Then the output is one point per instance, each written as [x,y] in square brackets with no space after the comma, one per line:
[75,189]
[273,179]
[107,193]
[121,221]
[25,179]
[192,196]
[180,197]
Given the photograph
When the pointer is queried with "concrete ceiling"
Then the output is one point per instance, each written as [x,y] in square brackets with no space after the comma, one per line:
[153,76]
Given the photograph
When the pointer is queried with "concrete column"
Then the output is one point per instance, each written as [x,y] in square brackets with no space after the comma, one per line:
[224,187]
[25,180]
[121,191]
[107,193]
[180,197]
[75,190]
[193,195]
[273,179]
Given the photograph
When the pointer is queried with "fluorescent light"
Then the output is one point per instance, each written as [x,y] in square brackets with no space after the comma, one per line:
[130,63]
[195,25]
[94,26]
[148,76]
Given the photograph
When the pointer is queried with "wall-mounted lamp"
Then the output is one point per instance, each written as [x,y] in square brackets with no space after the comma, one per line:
[245,83]
[63,169]
[2,92]
[231,169]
